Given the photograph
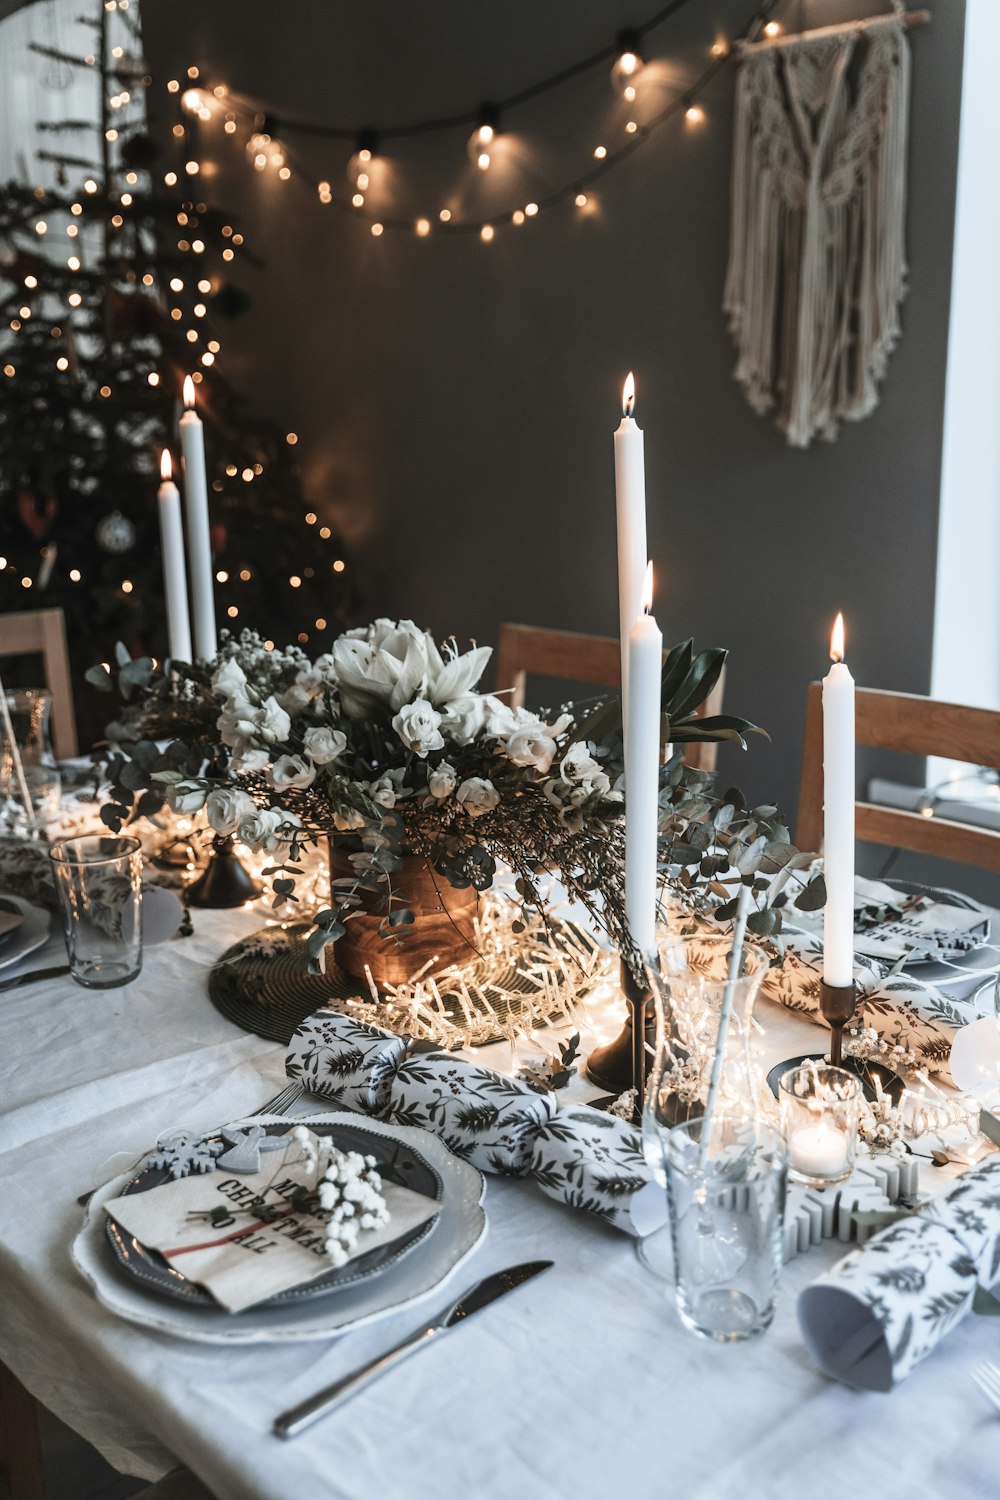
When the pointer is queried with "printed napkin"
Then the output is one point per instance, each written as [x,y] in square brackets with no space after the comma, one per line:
[905,1010]
[593,1161]
[218,1230]
[886,1306]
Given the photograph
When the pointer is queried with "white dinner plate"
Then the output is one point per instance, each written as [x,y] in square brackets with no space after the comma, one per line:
[31,934]
[460,1229]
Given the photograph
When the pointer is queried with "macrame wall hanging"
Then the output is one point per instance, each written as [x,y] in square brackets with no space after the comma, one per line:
[817,261]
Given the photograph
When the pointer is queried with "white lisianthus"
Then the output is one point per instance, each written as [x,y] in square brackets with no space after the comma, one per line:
[292,771]
[273,724]
[226,808]
[249,761]
[259,828]
[323,745]
[295,700]
[567,799]
[186,797]
[347,822]
[579,768]
[388,788]
[442,781]
[229,680]
[478,795]
[463,718]
[532,746]
[417,725]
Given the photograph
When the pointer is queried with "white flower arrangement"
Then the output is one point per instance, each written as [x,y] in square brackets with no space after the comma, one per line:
[348,1189]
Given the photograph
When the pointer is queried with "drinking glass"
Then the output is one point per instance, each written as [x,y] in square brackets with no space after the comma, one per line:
[820,1115]
[727,1208]
[99,884]
[25,729]
[689,983]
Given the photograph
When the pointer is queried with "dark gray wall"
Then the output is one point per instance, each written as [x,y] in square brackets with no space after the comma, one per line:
[456,401]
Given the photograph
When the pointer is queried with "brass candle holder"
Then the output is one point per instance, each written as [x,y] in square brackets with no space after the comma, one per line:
[624,1063]
[225,881]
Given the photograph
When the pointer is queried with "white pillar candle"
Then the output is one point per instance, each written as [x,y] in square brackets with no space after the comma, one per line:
[838,815]
[819,1150]
[642,773]
[199,539]
[172,547]
[630,497]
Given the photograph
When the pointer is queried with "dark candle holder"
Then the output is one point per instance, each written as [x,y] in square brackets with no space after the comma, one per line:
[224,881]
[838,1003]
[624,1063]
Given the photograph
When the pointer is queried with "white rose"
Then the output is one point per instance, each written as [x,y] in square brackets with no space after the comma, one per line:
[226,808]
[464,717]
[442,781]
[273,724]
[258,828]
[296,700]
[292,771]
[324,745]
[532,746]
[186,797]
[229,680]
[237,721]
[478,796]
[417,726]
[249,761]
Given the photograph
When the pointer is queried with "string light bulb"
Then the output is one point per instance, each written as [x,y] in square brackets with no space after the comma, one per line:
[627,65]
[361,167]
[483,138]
[773,28]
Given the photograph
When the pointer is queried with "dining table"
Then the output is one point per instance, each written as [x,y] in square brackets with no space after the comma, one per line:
[583,1384]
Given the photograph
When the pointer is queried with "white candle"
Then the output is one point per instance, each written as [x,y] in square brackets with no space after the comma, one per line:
[819,1150]
[199,539]
[172,547]
[642,773]
[630,497]
[838,815]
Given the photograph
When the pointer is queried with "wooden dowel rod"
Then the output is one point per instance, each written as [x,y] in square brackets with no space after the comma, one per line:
[908,18]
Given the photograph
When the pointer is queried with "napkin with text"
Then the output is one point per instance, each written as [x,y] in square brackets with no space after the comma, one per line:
[907,1010]
[246,1237]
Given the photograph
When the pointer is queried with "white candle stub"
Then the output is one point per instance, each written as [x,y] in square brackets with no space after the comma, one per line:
[819,1150]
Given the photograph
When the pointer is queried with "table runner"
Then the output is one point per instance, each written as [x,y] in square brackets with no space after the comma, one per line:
[577,1390]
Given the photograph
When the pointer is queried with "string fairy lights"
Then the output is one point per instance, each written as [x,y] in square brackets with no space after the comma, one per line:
[267,149]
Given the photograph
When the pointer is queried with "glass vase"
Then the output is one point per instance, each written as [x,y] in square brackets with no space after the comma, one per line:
[29,775]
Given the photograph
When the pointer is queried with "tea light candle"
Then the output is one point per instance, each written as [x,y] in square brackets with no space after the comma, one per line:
[819,1150]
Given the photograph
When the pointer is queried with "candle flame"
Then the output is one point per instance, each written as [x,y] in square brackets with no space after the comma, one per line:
[628,395]
[837,639]
[189,392]
[647,589]
[166,466]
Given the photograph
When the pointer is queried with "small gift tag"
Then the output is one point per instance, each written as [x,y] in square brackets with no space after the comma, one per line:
[344,1060]
[490,1120]
[246,1238]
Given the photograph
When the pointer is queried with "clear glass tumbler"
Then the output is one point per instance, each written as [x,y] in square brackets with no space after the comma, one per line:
[727,1208]
[99,884]
[28,769]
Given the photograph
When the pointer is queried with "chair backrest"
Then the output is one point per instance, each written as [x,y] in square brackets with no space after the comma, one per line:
[921,726]
[43,631]
[574,657]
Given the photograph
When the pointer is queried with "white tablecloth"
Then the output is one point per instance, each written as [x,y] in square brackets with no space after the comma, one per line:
[583,1384]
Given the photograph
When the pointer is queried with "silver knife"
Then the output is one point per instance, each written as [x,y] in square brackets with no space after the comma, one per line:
[34,976]
[298,1418]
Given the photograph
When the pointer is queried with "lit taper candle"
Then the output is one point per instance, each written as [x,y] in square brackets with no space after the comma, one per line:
[838,815]
[172,548]
[630,497]
[199,539]
[642,772]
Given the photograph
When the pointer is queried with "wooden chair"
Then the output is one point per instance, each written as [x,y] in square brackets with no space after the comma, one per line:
[921,726]
[574,657]
[43,631]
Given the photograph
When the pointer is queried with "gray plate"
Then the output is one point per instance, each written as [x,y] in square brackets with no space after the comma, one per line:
[400,1164]
[31,934]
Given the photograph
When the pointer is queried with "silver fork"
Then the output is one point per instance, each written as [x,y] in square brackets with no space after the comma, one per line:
[987,1377]
[289,1095]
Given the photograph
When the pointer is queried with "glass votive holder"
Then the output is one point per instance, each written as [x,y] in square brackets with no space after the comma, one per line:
[820,1114]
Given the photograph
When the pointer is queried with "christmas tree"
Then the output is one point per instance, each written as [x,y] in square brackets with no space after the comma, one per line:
[111,291]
